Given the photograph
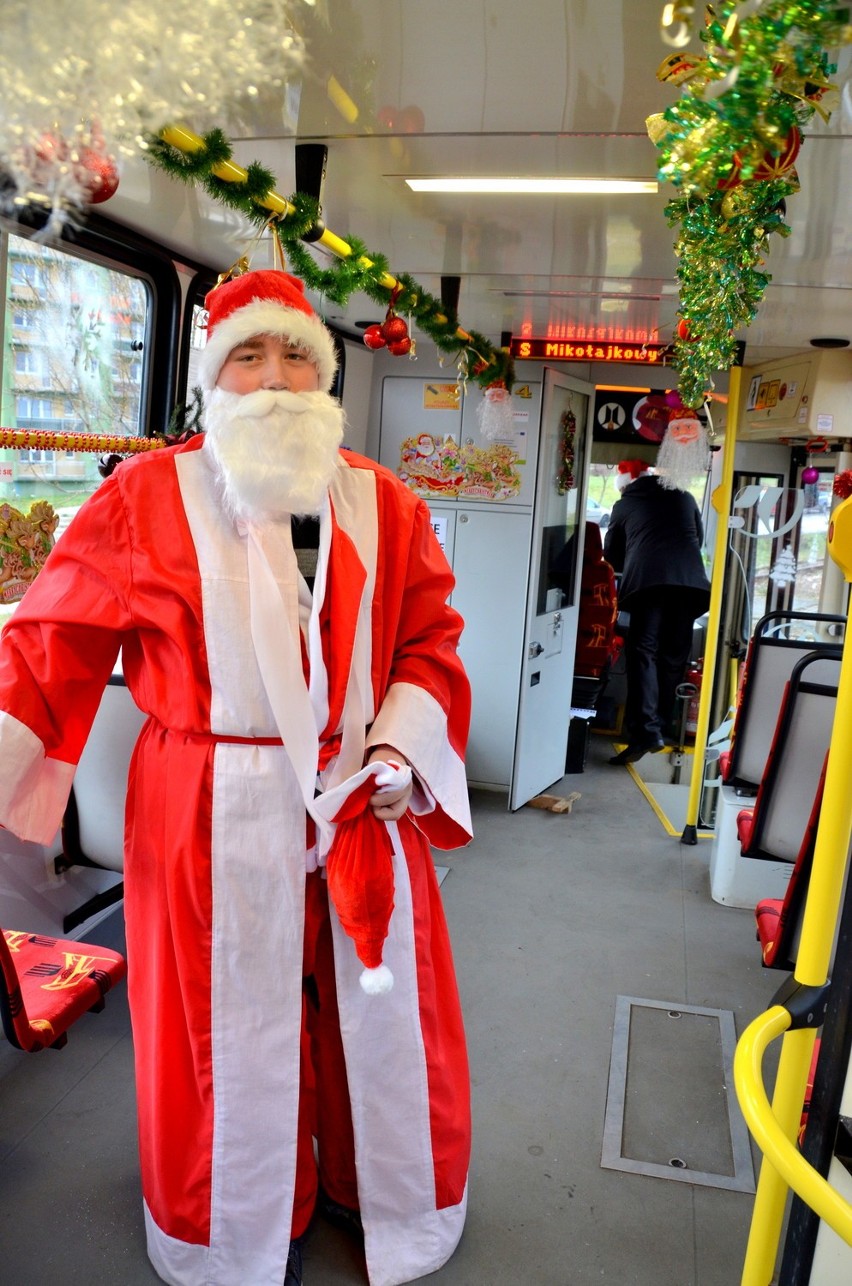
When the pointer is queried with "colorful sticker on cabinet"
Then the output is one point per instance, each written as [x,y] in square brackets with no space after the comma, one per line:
[440,469]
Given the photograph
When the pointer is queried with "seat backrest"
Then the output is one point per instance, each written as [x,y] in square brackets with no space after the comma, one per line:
[780,932]
[779,922]
[791,781]
[100,782]
[769,664]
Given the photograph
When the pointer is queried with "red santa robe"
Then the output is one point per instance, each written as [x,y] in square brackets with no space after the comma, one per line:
[215,842]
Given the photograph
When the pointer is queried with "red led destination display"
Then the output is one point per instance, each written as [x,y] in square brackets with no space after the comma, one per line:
[582,349]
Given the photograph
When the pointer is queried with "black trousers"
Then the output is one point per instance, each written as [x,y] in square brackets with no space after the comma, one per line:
[657,649]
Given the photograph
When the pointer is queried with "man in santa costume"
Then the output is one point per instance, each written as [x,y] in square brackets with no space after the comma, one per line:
[654,540]
[280,607]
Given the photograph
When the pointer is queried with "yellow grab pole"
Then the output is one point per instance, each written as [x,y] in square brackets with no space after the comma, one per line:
[782,1157]
[825,889]
[774,1127]
[186,141]
[722,504]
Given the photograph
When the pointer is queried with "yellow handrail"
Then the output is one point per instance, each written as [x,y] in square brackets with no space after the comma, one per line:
[775,1127]
[186,141]
[762,1120]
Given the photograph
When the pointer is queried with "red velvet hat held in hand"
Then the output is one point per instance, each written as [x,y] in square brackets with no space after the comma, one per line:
[359,868]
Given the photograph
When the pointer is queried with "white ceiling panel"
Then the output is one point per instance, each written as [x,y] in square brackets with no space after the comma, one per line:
[491,87]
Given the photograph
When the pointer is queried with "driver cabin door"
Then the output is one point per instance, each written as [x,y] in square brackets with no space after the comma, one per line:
[547,665]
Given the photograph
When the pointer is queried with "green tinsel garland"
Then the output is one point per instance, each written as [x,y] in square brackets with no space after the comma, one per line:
[780,70]
[720,250]
[360,271]
[777,73]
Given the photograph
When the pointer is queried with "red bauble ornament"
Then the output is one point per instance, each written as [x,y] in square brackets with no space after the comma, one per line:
[374,338]
[683,330]
[399,347]
[810,475]
[98,175]
[386,116]
[773,167]
[769,167]
[394,329]
[733,180]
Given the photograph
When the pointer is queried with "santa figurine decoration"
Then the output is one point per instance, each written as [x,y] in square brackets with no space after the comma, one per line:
[684,451]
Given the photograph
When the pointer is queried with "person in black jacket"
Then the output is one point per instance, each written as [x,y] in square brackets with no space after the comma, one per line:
[654,540]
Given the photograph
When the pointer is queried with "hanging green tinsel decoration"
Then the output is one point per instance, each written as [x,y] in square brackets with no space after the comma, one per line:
[762,74]
[721,249]
[728,145]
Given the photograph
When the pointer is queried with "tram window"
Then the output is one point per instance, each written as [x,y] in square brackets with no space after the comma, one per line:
[813,537]
[780,544]
[73,361]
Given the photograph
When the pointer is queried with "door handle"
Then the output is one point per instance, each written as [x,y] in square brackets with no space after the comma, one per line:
[536,649]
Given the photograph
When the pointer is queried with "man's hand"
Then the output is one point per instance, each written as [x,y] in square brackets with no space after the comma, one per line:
[389,804]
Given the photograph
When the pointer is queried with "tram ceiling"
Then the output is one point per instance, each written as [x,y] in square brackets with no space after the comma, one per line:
[486,88]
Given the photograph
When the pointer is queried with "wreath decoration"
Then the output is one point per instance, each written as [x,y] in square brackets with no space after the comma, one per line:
[568,431]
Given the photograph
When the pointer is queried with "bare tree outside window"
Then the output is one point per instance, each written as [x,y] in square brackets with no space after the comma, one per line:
[72,363]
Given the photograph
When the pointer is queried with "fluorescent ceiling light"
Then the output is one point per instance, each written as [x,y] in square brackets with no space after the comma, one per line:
[534,186]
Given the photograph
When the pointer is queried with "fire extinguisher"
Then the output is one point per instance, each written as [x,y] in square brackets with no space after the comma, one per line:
[693,676]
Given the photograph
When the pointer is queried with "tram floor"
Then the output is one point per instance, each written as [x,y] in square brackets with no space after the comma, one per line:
[553,917]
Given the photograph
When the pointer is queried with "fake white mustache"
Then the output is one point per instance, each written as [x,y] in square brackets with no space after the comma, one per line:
[264,400]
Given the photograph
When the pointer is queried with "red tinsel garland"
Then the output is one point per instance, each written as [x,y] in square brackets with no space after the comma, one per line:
[843,484]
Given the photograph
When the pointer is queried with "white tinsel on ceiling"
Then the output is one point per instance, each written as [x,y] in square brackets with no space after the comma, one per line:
[83,83]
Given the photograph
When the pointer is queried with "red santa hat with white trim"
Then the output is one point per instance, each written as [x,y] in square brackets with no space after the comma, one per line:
[627,471]
[264,302]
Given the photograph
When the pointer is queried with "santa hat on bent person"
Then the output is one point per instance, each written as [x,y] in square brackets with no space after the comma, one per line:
[627,471]
[265,302]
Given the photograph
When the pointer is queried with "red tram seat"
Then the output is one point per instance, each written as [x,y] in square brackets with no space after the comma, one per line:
[809,1090]
[597,608]
[745,826]
[48,983]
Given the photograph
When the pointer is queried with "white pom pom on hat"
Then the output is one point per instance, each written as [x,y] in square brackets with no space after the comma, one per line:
[264,302]
[377,981]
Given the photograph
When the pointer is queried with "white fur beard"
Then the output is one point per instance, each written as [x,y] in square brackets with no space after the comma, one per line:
[679,464]
[275,452]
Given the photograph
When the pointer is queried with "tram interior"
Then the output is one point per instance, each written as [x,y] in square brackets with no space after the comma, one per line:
[607,960]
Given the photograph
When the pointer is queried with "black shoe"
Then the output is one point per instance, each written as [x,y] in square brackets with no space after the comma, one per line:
[341,1216]
[631,753]
[293,1275]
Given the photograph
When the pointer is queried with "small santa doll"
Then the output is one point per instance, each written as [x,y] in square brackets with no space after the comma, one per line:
[684,451]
